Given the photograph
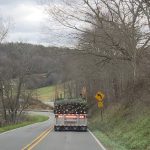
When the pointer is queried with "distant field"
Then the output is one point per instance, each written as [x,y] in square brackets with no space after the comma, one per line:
[45,93]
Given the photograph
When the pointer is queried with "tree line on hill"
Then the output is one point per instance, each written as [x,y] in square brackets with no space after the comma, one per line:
[113,51]
[112,55]
[23,68]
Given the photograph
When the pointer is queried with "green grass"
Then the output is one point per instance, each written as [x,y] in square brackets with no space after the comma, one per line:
[110,144]
[48,93]
[45,93]
[122,129]
[30,120]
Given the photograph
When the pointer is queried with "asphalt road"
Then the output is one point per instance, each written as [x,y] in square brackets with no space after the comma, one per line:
[18,139]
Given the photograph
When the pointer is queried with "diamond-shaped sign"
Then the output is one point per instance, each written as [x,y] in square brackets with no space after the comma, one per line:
[99,96]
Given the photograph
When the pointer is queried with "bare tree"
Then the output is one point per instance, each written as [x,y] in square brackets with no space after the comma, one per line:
[15,70]
[4,28]
[125,24]
[114,32]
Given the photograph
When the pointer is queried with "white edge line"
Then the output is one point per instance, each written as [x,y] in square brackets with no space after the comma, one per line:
[30,125]
[98,142]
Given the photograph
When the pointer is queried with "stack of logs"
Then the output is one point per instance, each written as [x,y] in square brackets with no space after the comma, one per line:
[74,108]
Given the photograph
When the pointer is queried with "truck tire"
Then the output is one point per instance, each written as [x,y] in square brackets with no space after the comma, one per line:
[56,128]
[83,128]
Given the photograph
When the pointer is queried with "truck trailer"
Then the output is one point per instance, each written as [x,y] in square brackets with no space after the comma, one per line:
[70,115]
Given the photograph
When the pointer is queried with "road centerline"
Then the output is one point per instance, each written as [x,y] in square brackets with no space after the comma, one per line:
[38,139]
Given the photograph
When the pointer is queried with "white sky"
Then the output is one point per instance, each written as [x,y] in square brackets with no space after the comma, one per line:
[29,22]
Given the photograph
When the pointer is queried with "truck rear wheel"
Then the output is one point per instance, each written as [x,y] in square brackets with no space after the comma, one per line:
[56,128]
[83,128]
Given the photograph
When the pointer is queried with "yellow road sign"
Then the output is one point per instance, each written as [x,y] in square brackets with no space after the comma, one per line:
[100,104]
[99,96]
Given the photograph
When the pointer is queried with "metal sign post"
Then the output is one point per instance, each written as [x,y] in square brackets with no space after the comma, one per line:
[100,97]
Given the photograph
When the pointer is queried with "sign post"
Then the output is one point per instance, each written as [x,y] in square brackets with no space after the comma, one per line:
[100,97]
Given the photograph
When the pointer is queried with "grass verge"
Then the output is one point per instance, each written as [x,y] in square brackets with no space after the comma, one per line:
[122,128]
[30,120]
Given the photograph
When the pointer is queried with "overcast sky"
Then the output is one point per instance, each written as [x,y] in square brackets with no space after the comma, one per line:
[29,24]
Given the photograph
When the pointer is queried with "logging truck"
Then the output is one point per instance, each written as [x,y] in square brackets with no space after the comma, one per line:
[70,114]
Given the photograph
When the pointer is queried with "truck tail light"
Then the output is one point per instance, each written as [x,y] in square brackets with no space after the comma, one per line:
[81,117]
[60,116]
[71,116]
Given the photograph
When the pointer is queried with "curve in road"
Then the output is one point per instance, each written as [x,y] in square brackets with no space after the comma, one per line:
[40,136]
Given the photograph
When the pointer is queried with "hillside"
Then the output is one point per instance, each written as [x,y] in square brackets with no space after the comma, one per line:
[44,93]
[123,128]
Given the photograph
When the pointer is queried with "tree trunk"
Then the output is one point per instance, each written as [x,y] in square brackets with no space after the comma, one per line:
[3,102]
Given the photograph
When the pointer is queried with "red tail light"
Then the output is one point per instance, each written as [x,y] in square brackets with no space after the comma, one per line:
[60,116]
[71,116]
[82,117]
